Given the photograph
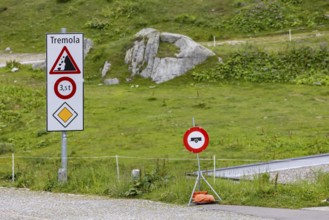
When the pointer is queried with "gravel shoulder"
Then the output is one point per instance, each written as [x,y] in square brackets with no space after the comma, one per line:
[24,58]
[30,205]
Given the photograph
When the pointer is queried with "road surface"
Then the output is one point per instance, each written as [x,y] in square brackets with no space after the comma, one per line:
[24,204]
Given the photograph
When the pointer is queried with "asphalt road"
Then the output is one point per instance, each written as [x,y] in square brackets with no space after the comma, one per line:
[316,213]
[24,204]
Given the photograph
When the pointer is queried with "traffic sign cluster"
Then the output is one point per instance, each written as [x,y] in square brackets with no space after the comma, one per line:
[65,82]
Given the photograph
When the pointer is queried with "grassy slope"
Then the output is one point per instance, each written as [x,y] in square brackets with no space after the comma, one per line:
[244,121]
[31,20]
[112,23]
[24,23]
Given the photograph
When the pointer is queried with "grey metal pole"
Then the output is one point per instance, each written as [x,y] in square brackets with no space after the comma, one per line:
[199,172]
[64,150]
[198,159]
[13,167]
[214,158]
[62,172]
[63,30]
[117,163]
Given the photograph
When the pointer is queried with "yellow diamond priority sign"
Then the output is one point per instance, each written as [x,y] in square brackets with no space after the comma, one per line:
[65,114]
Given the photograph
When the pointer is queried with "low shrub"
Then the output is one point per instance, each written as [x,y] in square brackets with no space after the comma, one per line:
[62,1]
[304,65]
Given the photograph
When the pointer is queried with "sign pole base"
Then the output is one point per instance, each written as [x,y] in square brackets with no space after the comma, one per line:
[62,175]
[197,182]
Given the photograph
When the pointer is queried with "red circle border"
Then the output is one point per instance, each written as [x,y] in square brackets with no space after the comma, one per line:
[70,95]
[203,147]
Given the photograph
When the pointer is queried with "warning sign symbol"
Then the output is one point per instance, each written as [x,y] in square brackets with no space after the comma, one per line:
[65,64]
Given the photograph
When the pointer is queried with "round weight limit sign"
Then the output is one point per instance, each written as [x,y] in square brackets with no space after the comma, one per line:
[196,139]
[65,88]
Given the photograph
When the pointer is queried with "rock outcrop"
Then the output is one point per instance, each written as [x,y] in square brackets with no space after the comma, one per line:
[143,58]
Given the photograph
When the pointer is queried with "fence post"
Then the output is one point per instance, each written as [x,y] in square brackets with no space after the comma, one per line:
[13,167]
[117,162]
[214,168]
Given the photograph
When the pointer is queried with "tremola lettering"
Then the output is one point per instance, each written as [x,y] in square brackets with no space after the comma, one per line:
[65,40]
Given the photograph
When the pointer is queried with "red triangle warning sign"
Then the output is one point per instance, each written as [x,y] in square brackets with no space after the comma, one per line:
[65,64]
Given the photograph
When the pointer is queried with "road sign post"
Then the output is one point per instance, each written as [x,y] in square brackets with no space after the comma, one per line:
[65,92]
[196,140]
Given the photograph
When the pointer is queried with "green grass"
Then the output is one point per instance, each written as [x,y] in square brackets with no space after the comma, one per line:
[245,121]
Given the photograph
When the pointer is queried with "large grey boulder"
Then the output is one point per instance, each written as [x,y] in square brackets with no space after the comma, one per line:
[143,58]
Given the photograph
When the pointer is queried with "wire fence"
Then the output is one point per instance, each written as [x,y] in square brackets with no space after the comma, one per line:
[9,162]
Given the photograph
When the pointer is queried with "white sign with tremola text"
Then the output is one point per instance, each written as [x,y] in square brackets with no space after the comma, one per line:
[65,82]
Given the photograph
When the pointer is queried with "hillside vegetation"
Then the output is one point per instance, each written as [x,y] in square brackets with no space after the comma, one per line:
[24,23]
[267,100]
[112,23]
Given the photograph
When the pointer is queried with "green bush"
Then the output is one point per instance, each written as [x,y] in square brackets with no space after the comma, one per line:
[13,63]
[96,23]
[185,19]
[2,9]
[265,16]
[6,148]
[124,9]
[303,65]
[62,1]
[157,178]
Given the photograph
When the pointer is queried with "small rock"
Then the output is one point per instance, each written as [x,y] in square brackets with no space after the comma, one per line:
[15,69]
[113,81]
[88,44]
[106,68]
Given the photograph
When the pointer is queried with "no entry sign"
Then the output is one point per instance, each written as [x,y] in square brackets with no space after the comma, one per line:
[65,82]
[196,139]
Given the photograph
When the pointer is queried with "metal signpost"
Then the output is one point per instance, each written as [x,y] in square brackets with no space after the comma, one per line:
[196,140]
[65,87]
